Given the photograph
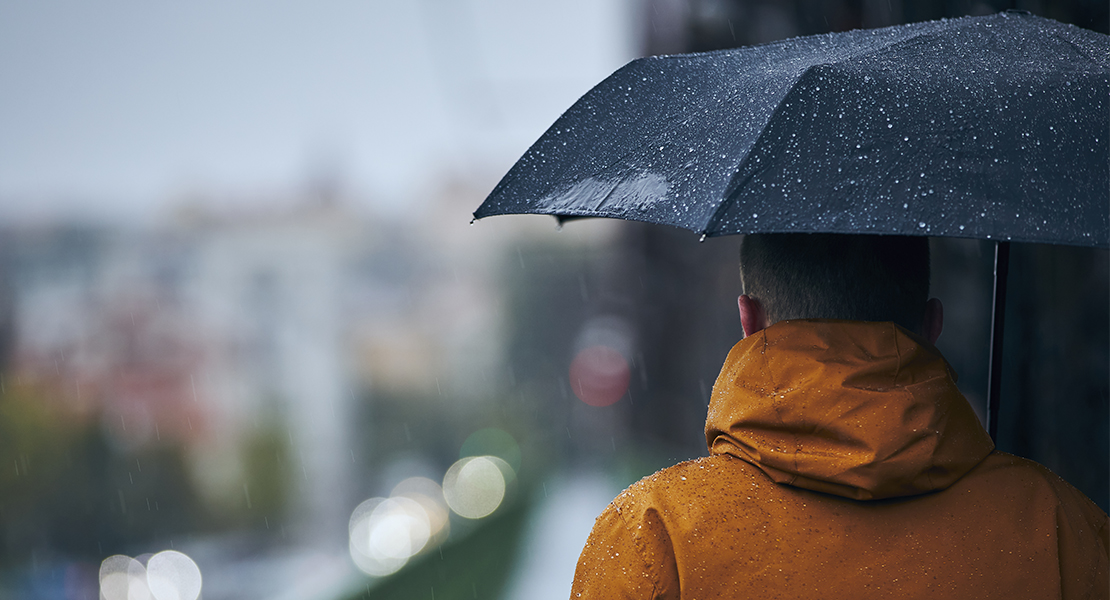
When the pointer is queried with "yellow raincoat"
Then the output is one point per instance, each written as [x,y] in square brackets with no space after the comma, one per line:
[844,463]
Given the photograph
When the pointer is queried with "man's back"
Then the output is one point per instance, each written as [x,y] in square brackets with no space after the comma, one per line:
[845,464]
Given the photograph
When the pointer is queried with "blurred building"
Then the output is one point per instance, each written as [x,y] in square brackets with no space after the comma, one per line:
[303,359]
[201,332]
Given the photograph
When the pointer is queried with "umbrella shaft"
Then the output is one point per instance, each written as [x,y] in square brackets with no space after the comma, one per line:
[994,382]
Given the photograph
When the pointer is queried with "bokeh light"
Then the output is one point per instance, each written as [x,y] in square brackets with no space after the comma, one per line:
[167,575]
[475,486]
[492,441]
[386,532]
[359,530]
[172,575]
[123,578]
[599,375]
[430,496]
[506,470]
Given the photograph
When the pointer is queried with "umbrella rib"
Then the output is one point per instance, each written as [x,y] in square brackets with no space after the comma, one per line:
[719,212]
[733,184]
[1080,49]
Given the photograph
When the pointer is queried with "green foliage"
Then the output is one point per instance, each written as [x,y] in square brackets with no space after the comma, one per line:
[34,447]
[266,465]
[66,490]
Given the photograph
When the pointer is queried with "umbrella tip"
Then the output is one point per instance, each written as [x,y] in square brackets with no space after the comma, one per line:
[703,236]
[473,220]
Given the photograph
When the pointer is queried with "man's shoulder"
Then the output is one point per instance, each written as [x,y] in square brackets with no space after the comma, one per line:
[1009,475]
[1002,465]
[689,479]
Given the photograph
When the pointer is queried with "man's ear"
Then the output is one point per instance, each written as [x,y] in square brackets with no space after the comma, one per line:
[933,321]
[752,316]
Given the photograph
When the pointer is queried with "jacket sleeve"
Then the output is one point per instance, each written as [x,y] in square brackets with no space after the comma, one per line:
[613,565]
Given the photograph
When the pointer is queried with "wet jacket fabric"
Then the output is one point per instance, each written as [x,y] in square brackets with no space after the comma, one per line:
[844,463]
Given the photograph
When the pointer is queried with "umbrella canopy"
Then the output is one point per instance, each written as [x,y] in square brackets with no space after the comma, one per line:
[982,127]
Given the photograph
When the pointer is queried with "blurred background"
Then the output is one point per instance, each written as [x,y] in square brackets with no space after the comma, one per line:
[251,347]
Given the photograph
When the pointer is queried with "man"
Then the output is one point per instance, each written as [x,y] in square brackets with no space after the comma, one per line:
[844,462]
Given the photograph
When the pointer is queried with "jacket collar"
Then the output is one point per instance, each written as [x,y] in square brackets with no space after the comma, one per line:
[858,409]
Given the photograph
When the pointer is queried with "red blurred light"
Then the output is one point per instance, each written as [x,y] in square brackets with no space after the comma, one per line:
[599,375]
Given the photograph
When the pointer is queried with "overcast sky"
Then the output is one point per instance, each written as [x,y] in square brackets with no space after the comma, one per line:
[118,107]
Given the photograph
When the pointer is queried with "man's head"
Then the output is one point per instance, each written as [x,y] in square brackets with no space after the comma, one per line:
[834,276]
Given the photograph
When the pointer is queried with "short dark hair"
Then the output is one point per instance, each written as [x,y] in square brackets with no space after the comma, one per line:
[837,276]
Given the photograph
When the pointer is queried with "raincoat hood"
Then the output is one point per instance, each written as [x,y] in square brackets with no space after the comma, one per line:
[857,409]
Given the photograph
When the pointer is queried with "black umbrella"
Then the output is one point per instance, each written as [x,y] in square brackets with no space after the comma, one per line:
[982,127]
